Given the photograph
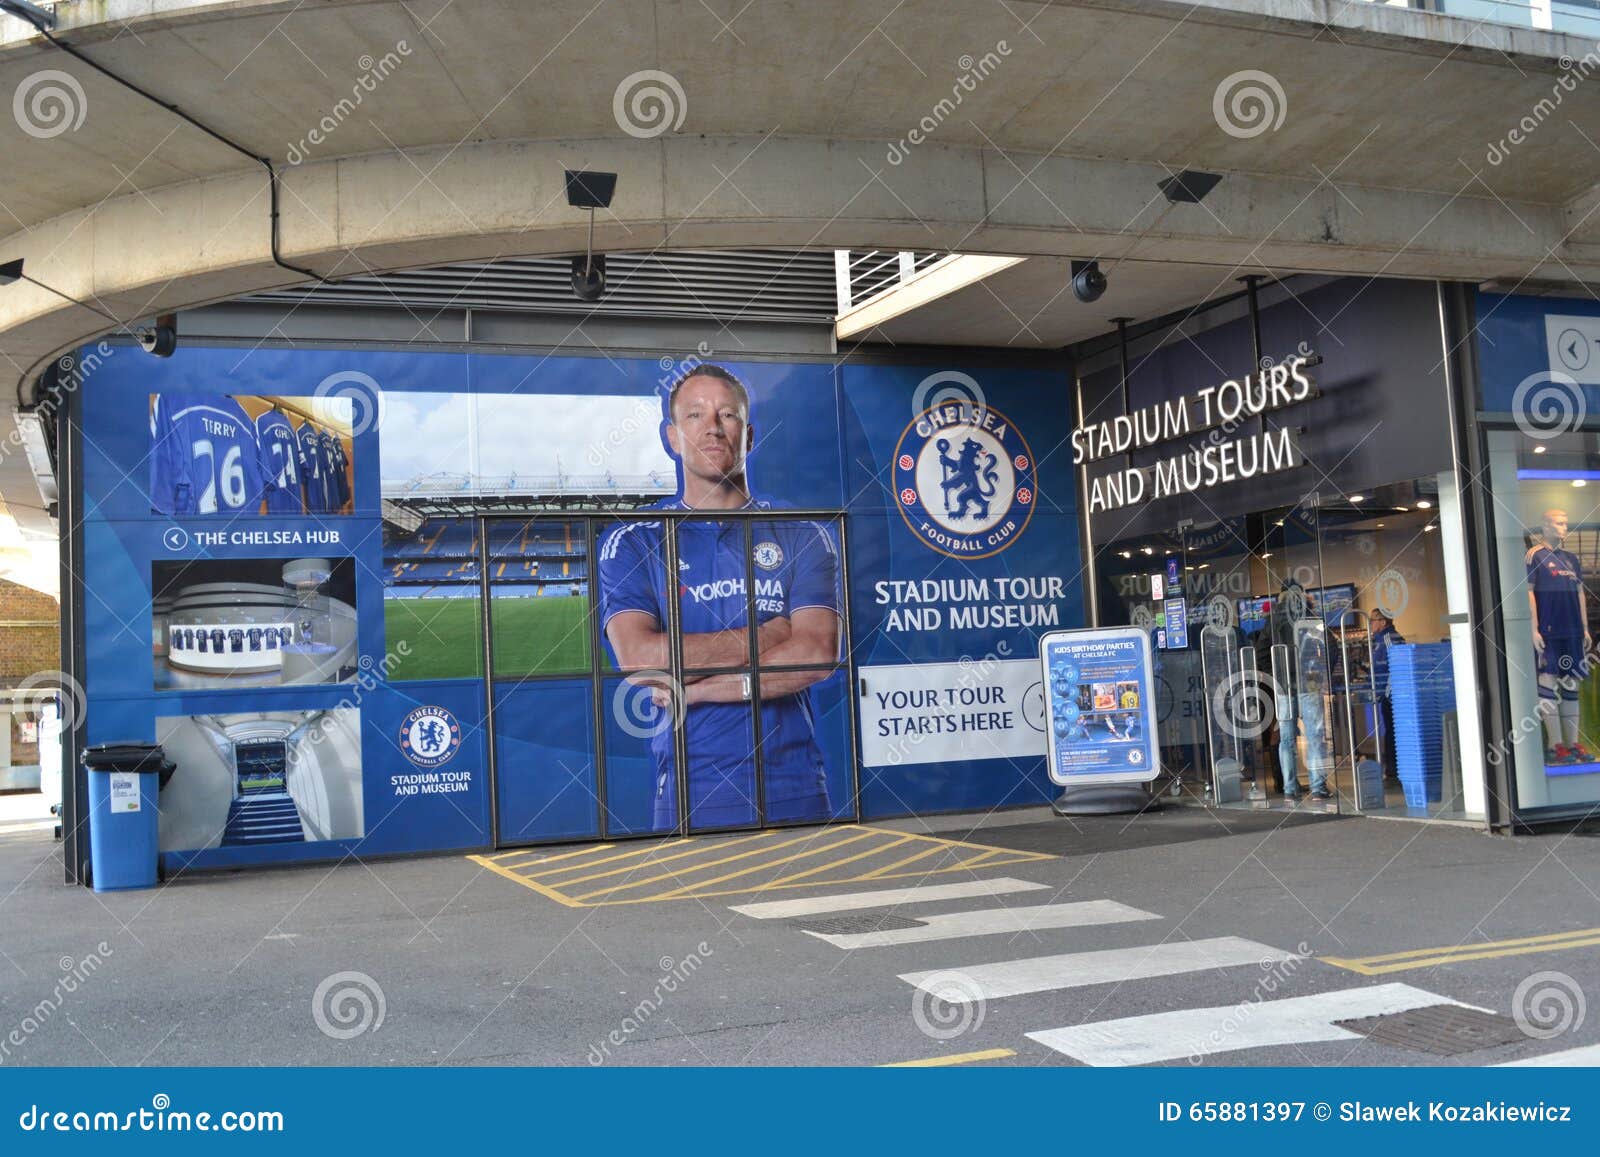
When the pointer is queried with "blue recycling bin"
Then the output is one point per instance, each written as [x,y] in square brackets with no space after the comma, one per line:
[124,820]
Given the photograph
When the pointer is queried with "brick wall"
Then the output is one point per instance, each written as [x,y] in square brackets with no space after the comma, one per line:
[25,651]
[28,650]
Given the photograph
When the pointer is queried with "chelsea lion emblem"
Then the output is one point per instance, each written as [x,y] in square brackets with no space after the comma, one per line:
[964,480]
[429,736]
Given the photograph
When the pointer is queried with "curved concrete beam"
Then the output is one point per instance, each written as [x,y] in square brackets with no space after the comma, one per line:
[204,241]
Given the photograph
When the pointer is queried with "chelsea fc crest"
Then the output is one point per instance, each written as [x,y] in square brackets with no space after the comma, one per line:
[964,480]
[768,555]
[429,736]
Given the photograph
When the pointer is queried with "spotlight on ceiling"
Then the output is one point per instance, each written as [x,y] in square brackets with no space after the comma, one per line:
[591,191]
[161,339]
[1088,283]
[1188,187]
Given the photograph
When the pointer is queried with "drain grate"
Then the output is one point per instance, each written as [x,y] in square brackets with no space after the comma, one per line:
[854,925]
[1444,1030]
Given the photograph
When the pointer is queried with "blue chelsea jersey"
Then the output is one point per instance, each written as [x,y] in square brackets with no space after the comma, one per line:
[795,566]
[314,469]
[204,458]
[281,459]
[338,482]
[1556,577]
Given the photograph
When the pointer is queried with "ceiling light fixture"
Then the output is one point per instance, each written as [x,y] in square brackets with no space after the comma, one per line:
[1189,187]
[591,191]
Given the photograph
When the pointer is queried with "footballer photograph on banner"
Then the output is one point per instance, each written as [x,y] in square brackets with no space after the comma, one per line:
[245,455]
[684,447]
[252,622]
[709,428]
[258,778]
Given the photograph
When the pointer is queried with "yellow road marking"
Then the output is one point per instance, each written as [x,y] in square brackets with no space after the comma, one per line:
[1488,950]
[922,855]
[755,888]
[556,881]
[678,873]
[965,844]
[873,851]
[524,881]
[835,846]
[976,860]
[634,855]
[540,859]
[652,862]
[953,1059]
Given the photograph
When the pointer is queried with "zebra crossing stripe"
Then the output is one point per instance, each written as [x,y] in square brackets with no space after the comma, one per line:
[1076,969]
[990,922]
[884,898]
[1586,1057]
[1197,1033]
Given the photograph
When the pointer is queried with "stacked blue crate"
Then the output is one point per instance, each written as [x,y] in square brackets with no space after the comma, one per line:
[1422,687]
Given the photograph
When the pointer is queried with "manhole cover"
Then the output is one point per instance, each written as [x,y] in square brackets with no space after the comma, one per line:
[1441,1029]
[855,925]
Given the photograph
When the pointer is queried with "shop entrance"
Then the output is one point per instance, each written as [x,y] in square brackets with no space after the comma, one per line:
[1274,637]
[627,696]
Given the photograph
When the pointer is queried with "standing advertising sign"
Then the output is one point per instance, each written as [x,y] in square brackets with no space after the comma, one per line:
[1100,707]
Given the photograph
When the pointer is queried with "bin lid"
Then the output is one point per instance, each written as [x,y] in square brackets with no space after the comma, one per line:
[139,757]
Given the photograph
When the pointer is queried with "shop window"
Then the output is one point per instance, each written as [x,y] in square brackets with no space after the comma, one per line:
[1546,494]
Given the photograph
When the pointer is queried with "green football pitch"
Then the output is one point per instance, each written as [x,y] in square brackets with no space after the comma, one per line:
[443,637]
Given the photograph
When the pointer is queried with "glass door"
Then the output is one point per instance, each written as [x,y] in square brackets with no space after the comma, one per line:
[1290,643]
[1217,575]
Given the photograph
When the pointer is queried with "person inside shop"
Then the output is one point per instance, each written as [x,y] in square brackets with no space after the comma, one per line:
[1384,636]
[1559,608]
[1299,710]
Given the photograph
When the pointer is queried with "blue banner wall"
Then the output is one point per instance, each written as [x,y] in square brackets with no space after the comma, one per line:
[962,546]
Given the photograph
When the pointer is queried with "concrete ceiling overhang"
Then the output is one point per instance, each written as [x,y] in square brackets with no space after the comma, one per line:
[1030,306]
[794,128]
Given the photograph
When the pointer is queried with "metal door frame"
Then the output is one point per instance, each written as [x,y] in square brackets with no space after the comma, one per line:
[596,674]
